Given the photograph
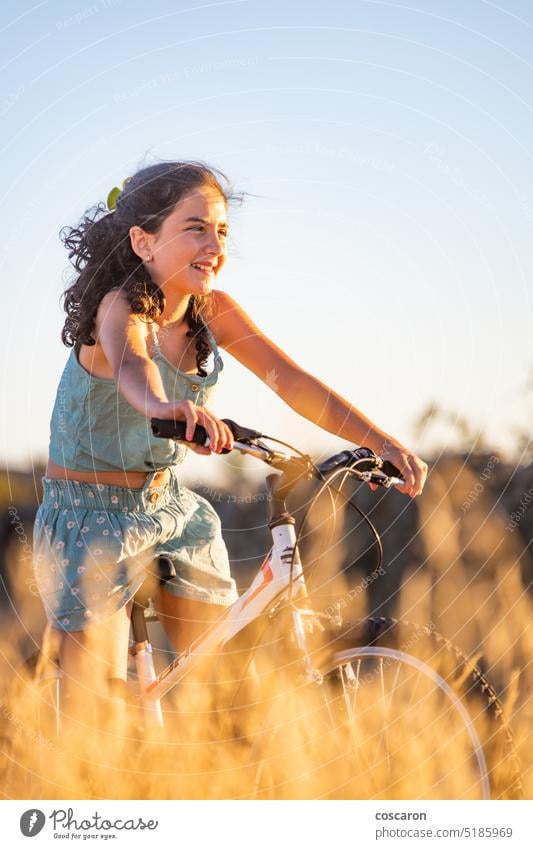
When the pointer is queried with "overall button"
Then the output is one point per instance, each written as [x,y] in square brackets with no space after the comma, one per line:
[153,497]
[195,387]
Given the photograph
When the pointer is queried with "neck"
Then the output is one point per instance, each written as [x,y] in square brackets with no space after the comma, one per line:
[175,308]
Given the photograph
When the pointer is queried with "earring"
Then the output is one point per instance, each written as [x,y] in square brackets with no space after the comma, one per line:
[148,258]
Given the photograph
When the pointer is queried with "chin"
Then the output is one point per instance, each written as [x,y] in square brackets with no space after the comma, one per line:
[206,287]
[197,287]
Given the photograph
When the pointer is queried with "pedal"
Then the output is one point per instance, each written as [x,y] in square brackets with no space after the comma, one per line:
[332,618]
[311,619]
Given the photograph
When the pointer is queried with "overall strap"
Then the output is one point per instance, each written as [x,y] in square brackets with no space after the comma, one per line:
[214,347]
[154,338]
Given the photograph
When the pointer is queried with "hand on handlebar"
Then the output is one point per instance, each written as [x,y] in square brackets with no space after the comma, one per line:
[413,469]
[184,421]
[220,436]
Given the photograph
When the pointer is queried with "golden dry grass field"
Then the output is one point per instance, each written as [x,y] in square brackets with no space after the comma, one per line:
[456,562]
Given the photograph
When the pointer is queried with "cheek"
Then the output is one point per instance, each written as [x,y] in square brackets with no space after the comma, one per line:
[180,251]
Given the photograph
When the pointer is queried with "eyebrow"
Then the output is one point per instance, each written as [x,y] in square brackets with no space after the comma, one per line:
[204,221]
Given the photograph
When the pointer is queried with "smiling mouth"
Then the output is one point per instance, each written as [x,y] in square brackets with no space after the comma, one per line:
[203,269]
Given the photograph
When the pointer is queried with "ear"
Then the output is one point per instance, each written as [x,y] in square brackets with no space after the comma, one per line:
[140,242]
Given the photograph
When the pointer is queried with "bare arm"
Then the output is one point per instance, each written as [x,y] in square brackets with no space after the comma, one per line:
[308,396]
[122,337]
[121,334]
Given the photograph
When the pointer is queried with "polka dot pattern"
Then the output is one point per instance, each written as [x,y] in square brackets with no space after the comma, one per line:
[94,543]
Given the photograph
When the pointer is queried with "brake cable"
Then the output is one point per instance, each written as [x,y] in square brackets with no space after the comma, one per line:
[347,500]
[347,472]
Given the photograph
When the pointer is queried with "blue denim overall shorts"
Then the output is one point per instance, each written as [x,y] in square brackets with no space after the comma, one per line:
[94,544]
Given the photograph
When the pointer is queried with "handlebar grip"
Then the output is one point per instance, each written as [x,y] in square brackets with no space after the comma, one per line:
[170,429]
[390,470]
[241,433]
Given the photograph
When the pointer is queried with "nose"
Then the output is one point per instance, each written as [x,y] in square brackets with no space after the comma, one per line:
[214,243]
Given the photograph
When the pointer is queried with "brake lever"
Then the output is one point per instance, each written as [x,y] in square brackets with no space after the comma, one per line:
[297,465]
[381,479]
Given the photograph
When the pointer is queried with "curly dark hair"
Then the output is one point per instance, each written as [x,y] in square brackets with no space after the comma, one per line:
[101,253]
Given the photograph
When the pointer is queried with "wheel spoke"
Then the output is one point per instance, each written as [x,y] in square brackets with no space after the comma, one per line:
[394,683]
[333,723]
[395,737]
[385,716]
[350,681]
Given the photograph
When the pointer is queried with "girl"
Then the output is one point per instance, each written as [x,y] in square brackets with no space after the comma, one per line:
[143,316]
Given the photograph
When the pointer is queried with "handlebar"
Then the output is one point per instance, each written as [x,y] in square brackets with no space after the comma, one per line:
[364,463]
[170,429]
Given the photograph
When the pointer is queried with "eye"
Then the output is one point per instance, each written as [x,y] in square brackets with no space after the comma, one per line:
[201,228]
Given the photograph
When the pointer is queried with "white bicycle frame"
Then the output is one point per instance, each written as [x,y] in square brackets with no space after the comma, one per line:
[272,579]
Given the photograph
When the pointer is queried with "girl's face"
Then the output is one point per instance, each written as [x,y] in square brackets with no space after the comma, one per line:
[190,248]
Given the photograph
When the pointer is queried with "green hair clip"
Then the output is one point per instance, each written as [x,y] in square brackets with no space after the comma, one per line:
[113,195]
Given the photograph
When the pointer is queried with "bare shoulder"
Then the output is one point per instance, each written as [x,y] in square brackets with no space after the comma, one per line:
[227,319]
[119,333]
[114,304]
[237,333]
[115,314]
[220,303]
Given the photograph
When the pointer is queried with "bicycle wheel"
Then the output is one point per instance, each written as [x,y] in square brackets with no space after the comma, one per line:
[396,712]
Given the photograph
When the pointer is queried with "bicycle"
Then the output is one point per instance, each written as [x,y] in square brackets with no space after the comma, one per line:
[381,686]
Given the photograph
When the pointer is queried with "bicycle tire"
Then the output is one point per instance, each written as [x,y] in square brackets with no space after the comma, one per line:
[457,670]
[275,768]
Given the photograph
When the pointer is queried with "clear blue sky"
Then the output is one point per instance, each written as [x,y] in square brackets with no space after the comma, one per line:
[388,247]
